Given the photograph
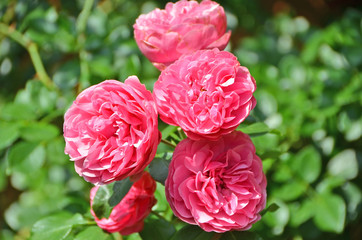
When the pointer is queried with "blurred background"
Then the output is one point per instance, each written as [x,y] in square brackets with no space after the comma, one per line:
[306,57]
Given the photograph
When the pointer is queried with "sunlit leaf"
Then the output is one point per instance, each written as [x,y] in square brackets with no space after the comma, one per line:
[330,212]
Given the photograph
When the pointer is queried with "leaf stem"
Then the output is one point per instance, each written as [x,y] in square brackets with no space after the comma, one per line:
[32,49]
[181,133]
[168,143]
[83,55]
[158,215]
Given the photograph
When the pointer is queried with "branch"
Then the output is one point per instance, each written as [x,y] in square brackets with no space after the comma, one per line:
[32,49]
[81,27]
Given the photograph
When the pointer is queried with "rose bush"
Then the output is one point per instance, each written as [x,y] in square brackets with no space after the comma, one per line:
[218,185]
[163,36]
[207,94]
[128,216]
[111,130]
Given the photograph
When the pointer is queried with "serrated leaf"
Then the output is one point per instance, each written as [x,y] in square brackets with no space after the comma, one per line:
[39,132]
[344,165]
[158,168]
[330,212]
[9,132]
[156,228]
[192,232]
[120,190]
[307,164]
[57,226]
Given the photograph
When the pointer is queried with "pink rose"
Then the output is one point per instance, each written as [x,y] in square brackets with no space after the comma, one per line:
[218,185]
[163,36]
[207,94]
[111,130]
[127,216]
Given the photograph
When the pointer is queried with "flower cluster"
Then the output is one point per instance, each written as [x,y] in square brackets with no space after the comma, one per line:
[111,131]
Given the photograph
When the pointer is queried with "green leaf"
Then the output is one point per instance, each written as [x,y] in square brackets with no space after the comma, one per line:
[192,232]
[92,233]
[18,111]
[307,164]
[26,157]
[158,168]
[57,226]
[156,228]
[354,198]
[329,183]
[300,213]
[100,202]
[55,151]
[271,208]
[120,190]
[9,132]
[255,128]
[67,75]
[37,131]
[344,164]
[108,196]
[37,94]
[330,212]
[168,130]
[278,219]
[235,235]
[290,190]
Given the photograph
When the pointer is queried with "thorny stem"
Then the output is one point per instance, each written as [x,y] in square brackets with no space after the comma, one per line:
[32,49]
[83,55]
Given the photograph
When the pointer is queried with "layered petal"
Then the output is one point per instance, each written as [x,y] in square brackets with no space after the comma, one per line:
[163,36]
[218,185]
[111,130]
[207,94]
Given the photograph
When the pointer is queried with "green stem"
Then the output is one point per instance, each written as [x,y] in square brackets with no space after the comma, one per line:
[158,215]
[181,133]
[168,143]
[83,55]
[117,236]
[32,49]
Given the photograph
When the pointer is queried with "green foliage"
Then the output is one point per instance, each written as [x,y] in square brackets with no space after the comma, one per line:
[108,196]
[306,126]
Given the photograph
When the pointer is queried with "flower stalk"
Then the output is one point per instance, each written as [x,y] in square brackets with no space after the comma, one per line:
[33,51]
